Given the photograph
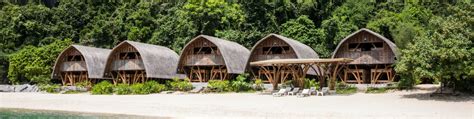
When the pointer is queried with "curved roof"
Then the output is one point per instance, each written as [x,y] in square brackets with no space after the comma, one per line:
[392,45]
[159,61]
[95,59]
[235,55]
[302,51]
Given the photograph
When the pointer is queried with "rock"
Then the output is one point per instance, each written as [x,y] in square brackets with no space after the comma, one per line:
[7,88]
[31,88]
[20,88]
[73,88]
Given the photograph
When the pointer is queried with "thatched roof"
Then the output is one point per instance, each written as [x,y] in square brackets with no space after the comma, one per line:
[302,51]
[235,55]
[159,61]
[95,59]
[392,45]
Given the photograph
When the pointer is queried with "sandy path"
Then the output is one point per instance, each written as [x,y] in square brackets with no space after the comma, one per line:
[391,105]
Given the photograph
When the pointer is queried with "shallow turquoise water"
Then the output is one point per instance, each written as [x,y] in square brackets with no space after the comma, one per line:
[8,113]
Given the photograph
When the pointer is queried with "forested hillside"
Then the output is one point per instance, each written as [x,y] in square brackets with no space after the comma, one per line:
[434,38]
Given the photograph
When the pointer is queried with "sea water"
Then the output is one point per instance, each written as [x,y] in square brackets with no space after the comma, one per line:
[9,113]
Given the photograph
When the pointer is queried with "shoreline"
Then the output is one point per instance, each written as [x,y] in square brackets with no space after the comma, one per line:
[78,113]
[400,104]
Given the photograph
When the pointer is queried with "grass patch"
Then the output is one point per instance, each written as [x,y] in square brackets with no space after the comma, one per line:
[346,91]
[376,90]
[72,92]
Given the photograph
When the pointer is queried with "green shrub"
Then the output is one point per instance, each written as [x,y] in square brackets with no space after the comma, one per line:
[41,79]
[139,88]
[407,83]
[122,89]
[240,84]
[342,88]
[310,83]
[83,84]
[50,88]
[219,85]
[347,90]
[376,90]
[154,86]
[287,83]
[180,85]
[259,85]
[72,92]
[104,87]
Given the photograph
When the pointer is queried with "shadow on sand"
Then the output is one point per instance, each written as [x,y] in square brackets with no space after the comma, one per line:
[448,97]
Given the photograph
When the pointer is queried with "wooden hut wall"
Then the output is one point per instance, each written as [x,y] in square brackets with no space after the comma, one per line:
[72,67]
[126,57]
[272,48]
[127,65]
[201,52]
[372,56]
[203,61]
[366,48]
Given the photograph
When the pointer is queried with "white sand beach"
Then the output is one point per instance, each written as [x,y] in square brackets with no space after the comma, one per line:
[400,104]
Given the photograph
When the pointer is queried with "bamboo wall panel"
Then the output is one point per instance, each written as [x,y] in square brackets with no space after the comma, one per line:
[381,55]
[134,64]
[204,59]
[73,66]
[260,54]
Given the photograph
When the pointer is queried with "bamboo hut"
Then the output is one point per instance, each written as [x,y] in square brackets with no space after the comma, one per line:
[275,46]
[133,62]
[373,57]
[80,64]
[205,58]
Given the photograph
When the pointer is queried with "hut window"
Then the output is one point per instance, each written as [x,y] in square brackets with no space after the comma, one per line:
[74,58]
[204,50]
[129,55]
[276,50]
[365,46]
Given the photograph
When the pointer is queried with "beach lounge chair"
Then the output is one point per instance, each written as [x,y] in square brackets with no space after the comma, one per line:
[323,91]
[294,91]
[304,93]
[288,89]
[281,92]
[312,90]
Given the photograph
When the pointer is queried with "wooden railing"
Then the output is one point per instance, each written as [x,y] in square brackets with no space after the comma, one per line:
[204,59]
[134,64]
[73,66]
[274,56]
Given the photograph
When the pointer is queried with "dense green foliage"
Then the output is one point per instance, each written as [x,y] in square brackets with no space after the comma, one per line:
[376,90]
[180,85]
[148,87]
[104,87]
[344,89]
[33,64]
[434,38]
[310,83]
[50,88]
[240,83]
[219,85]
[258,85]
[122,89]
